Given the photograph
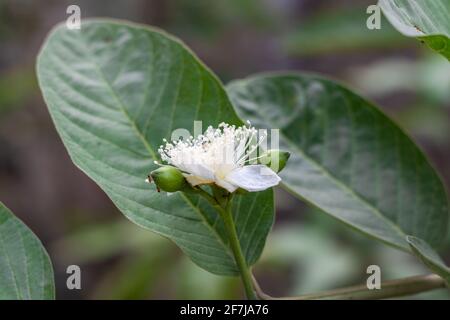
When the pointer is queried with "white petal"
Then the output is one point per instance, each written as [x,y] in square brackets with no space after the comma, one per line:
[195,180]
[200,170]
[253,177]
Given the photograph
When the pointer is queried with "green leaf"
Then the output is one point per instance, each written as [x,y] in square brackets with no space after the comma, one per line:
[26,272]
[114,91]
[426,20]
[347,157]
[429,257]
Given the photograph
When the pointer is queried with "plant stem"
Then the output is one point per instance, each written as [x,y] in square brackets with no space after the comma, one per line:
[227,217]
[207,196]
[237,252]
[389,289]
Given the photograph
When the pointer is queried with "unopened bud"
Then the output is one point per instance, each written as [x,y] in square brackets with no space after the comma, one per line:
[275,159]
[168,178]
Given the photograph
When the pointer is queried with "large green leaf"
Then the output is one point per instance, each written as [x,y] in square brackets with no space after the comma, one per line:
[25,268]
[429,257]
[348,158]
[114,91]
[427,20]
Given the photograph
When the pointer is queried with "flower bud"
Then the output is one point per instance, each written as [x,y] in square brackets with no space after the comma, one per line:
[275,159]
[168,178]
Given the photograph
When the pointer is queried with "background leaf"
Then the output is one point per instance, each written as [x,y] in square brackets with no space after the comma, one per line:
[429,257]
[26,272]
[347,157]
[427,20]
[114,91]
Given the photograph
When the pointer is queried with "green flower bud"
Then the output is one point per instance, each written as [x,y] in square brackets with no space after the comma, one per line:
[168,178]
[275,159]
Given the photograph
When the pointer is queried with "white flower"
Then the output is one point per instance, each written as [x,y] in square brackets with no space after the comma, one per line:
[221,156]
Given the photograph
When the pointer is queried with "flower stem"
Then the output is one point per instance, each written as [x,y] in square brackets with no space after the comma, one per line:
[389,289]
[237,252]
[227,217]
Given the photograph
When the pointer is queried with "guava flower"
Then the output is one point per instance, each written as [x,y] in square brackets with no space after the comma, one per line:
[221,156]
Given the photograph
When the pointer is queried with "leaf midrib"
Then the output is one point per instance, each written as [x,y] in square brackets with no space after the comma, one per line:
[345,187]
[444,33]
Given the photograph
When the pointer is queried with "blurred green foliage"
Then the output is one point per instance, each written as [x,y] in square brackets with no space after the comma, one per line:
[17,87]
[340,31]
[204,19]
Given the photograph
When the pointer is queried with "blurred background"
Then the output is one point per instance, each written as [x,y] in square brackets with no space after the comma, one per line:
[307,251]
